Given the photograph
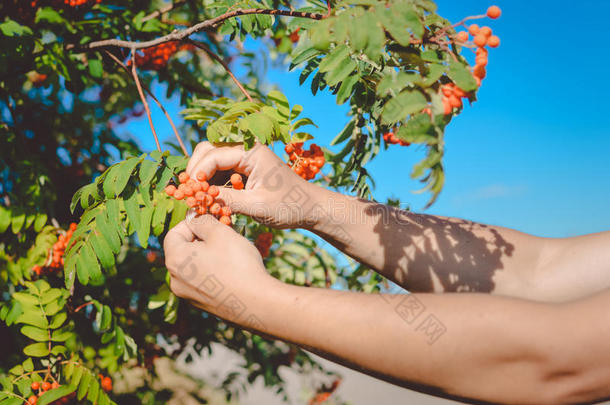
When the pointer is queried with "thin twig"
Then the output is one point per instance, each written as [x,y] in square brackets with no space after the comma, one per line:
[223,63]
[134,73]
[150,93]
[163,10]
[83,306]
[179,35]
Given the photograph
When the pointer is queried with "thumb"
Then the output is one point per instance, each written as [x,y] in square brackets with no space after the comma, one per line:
[203,226]
[177,238]
[247,202]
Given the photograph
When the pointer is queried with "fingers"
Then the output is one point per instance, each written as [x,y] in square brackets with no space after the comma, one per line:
[204,226]
[245,202]
[176,243]
[221,158]
[201,149]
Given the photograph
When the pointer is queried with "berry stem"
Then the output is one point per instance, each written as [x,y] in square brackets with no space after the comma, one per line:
[142,97]
[217,58]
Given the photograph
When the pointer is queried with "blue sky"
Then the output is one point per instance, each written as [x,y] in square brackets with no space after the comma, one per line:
[533,152]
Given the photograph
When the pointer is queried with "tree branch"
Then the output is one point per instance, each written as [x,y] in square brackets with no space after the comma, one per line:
[143,97]
[223,63]
[179,35]
[150,93]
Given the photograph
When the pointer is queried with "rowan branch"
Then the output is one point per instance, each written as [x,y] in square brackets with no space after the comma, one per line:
[143,97]
[150,93]
[223,63]
[180,35]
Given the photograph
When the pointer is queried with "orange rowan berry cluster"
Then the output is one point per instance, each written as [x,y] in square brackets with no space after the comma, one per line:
[305,163]
[482,37]
[452,97]
[156,57]
[199,194]
[42,387]
[263,243]
[56,257]
[391,138]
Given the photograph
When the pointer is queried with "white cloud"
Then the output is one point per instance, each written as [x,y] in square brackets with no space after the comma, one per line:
[489,192]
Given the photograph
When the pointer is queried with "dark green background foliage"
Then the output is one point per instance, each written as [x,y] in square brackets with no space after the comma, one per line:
[62,160]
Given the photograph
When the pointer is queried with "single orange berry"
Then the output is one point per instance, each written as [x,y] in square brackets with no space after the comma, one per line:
[485,31]
[73,226]
[209,200]
[183,177]
[191,182]
[225,220]
[32,400]
[35,386]
[226,211]
[214,191]
[494,12]
[462,36]
[236,179]
[481,60]
[54,385]
[179,194]
[188,191]
[289,148]
[204,185]
[170,190]
[191,202]
[201,176]
[215,209]
[480,72]
[493,41]
[480,40]
[201,210]
[46,386]
[473,29]
[200,196]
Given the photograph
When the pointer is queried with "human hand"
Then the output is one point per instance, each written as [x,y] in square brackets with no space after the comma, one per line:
[273,195]
[215,268]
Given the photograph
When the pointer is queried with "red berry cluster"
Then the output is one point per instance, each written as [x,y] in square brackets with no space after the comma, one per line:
[45,386]
[200,195]
[263,243]
[56,257]
[391,138]
[452,97]
[482,37]
[305,163]
[156,57]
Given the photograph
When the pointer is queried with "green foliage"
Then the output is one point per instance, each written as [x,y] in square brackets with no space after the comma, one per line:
[248,121]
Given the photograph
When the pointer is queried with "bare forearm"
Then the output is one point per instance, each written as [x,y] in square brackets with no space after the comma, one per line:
[425,253]
[450,345]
